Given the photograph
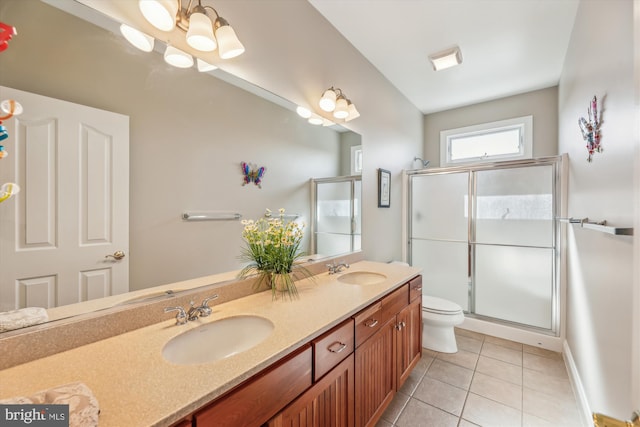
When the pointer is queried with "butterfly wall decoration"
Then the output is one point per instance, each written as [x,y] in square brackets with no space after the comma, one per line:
[252,173]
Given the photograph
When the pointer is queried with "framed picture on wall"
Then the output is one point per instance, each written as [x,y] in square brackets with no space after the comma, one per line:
[384,188]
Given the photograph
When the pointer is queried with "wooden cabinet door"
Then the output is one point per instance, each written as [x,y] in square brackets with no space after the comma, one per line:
[329,403]
[375,375]
[408,339]
[261,397]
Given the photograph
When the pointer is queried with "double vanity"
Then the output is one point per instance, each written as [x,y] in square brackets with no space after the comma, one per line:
[343,348]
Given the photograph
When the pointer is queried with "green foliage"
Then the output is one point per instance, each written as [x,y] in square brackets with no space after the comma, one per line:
[273,252]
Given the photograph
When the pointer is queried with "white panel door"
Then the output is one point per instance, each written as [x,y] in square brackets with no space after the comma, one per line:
[72,165]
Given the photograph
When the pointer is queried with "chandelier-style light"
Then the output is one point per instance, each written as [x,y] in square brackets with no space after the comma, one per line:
[335,101]
[202,32]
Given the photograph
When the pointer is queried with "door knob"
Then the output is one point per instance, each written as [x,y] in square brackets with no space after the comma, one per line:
[117,255]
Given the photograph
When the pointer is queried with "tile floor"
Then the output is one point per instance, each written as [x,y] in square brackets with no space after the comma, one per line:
[490,382]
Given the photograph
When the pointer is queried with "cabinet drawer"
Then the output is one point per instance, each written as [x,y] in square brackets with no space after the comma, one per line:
[332,348]
[415,288]
[394,302]
[261,397]
[368,322]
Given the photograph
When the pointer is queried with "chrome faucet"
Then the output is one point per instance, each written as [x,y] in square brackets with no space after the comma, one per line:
[181,317]
[336,268]
[203,310]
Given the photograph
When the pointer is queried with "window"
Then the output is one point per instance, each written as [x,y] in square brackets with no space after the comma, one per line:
[356,160]
[488,142]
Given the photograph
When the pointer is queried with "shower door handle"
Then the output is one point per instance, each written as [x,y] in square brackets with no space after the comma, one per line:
[469,260]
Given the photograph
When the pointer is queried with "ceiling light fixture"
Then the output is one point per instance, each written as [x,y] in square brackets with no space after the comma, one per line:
[202,32]
[335,101]
[446,58]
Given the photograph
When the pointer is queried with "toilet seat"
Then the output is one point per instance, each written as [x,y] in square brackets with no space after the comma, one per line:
[440,306]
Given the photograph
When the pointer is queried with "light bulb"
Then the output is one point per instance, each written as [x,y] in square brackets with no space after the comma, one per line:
[328,100]
[305,113]
[203,66]
[230,46]
[341,109]
[160,13]
[200,33]
[178,58]
[137,38]
[353,113]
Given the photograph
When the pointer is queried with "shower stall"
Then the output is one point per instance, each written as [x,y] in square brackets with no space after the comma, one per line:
[487,239]
[336,215]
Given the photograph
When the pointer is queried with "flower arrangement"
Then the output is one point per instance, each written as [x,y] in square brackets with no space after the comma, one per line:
[273,250]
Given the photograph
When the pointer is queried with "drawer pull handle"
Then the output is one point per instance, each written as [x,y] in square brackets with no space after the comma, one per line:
[371,323]
[341,347]
[417,288]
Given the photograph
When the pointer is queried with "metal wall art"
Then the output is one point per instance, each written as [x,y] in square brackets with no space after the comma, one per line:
[252,173]
[591,129]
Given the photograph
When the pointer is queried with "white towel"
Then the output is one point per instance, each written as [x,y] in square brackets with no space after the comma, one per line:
[21,318]
[83,405]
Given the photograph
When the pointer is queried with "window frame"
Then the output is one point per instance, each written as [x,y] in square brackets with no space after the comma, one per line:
[356,159]
[524,124]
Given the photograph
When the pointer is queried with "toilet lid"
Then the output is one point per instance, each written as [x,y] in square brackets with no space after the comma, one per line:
[439,305]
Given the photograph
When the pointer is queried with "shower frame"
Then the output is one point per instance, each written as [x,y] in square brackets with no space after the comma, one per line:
[559,164]
[355,207]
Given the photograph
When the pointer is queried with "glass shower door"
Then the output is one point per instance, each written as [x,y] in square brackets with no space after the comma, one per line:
[514,252]
[439,234]
[337,216]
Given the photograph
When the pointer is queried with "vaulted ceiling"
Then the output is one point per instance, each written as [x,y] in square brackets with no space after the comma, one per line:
[508,46]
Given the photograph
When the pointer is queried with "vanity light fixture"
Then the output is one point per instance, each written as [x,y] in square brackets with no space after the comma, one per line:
[203,32]
[312,117]
[446,58]
[335,101]
[204,66]
[305,113]
[142,41]
[177,57]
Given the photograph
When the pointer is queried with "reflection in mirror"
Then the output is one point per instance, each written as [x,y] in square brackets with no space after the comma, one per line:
[337,215]
[188,134]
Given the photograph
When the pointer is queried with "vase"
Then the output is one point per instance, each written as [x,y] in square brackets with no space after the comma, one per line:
[283,284]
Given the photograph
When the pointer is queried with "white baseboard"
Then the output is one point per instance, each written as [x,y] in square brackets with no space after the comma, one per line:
[576,384]
[514,334]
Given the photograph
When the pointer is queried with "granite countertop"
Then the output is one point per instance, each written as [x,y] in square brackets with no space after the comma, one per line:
[135,385]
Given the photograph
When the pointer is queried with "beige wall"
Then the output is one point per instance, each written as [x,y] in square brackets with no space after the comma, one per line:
[541,104]
[189,133]
[600,278]
[294,52]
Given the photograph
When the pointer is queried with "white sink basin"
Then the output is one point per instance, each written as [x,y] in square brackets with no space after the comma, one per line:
[217,340]
[362,278]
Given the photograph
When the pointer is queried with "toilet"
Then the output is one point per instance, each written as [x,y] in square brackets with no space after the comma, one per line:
[439,316]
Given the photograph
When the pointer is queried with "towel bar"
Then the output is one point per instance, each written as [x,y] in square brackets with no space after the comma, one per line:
[211,216]
[599,226]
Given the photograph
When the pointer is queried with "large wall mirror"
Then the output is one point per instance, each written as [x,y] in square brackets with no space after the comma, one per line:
[188,134]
